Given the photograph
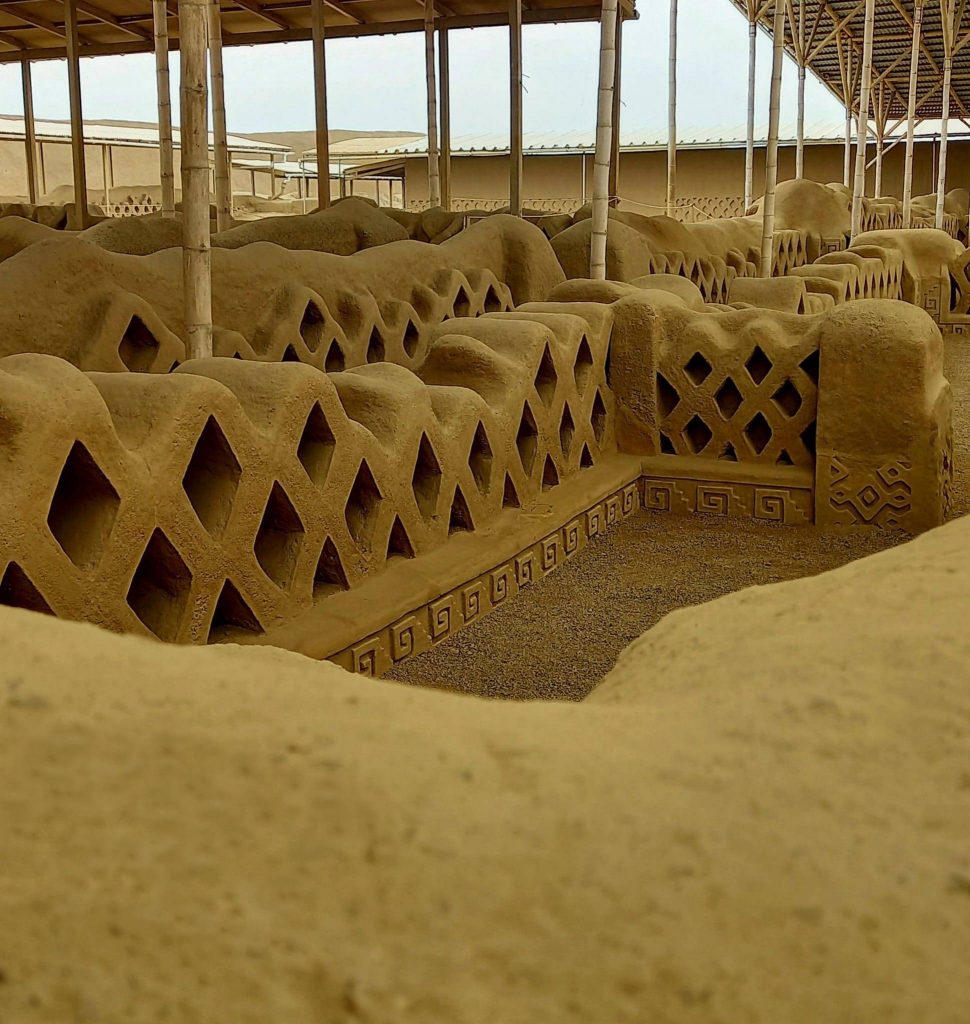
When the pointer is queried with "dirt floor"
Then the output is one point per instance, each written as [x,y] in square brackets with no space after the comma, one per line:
[566,632]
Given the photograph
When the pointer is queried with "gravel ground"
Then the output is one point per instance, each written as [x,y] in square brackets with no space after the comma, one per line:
[561,636]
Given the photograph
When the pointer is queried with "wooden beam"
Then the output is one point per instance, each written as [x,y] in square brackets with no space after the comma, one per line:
[515,107]
[30,136]
[220,148]
[672,112]
[111,19]
[771,151]
[444,68]
[749,138]
[321,120]
[261,12]
[166,159]
[434,181]
[193,103]
[948,19]
[604,142]
[80,218]
[614,186]
[859,186]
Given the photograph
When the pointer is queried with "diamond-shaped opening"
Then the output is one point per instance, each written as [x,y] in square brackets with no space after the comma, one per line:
[550,477]
[313,326]
[784,459]
[493,304]
[698,369]
[728,398]
[83,508]
[211,478]
[758,365]
[510,496]
[788,399]
[398,542]
[667,396]
[138,346]
[810,366]
[527,440]
[329,576]
[697,434]
[362,506]
[461,306]
[758,433]
[666,445]
[159,590]
[426,479]
[480,459]
[290,355]
[375,347]
[583,367]
[546,379]
[412,335]
[315,450]
[598,418]
[279,538]
[335,361]
[808,438]
[232,617]
[17,590]
[567,431]
[585,458]
[460,517]
[728,453]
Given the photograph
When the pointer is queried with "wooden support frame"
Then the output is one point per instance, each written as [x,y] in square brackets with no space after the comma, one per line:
[771,151]
[166,155]
[322,121]
[107,177]
[194,110]
[222,174]
[444,85]
[749,139]
[30,133]
[80,218]
[515,107]
[604,141]
[859,184]
[434,179]
[614,186]
[796,24]
[951,19]
[672,113]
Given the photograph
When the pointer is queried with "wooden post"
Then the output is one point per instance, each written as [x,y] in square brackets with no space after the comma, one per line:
[80,219]
[320,105]
[614,185]
[672,113]
[41,168]
[880,139]
[771,152]
[845,73]
[30,135]
[106,180]
[749,144]
[166,159]
[604,141]
[946,17]
[193,103]
[798,34]
[220,148]
[515,107]
[434,180]
[444,162]
[859,186]
[911,116]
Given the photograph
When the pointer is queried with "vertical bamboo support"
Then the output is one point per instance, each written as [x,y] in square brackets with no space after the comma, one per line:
[30,135]
[166,159]
[614,185]
[672,114]
[41,168]
[911,116]
[749,140]
[880,139]
[105,179]
[847,157]
[193,103]
[320,104]
[946,16]
[604,141]
[444,160]
[434,181]
[845,72]
[80,219]
[859,185]
[771,153]
[220,148]
[515,107]
[799,36]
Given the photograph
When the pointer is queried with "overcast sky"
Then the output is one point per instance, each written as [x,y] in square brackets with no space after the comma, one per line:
[378,82]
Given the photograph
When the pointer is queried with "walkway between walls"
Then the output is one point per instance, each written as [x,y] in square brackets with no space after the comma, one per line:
[566,631]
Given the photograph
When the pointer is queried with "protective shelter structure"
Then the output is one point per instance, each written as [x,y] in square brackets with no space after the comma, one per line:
[32,30]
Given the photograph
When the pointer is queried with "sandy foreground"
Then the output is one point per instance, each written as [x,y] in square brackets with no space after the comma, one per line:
[762,815]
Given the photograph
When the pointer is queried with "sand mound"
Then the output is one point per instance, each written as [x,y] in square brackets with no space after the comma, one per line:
[762,816]
[137,236]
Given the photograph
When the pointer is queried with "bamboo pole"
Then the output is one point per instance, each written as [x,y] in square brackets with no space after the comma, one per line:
[80,218]
[320,104]
[604,141]
[672,114]
[845,72]
[30,134]
[880,140]
[515,107]
[41,168]
[771,153]
[444,160]
[749,143]
[434,181]
[193,104]
[166,159]
[614,185]
[220,147]
[800,124]
[911,116]
[106,178]
[946,17]
[859,185]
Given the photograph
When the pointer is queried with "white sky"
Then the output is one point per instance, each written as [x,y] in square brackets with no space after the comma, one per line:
[378,82]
